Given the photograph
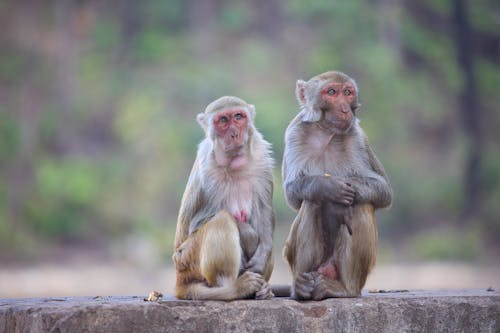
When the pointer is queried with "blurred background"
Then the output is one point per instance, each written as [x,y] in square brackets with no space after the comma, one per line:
[98,134]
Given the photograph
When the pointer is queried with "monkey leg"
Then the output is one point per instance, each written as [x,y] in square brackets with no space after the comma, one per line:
[220,251]
[213,253]
[304,249]
[354,257]
[249,240]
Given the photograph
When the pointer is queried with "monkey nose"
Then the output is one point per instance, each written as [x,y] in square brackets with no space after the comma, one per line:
[233,134]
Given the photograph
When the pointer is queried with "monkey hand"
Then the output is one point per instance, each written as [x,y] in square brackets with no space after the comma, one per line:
[340,191]
[265,292]
[323,188]
[248,284]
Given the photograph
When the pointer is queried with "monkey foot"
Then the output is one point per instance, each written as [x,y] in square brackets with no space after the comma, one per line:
[265,292]
[303,286]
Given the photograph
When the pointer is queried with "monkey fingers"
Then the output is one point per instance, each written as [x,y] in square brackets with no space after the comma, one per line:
[341,192]
[265,292]
[348,193]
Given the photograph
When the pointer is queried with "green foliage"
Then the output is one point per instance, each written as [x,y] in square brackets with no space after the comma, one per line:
[234,17]
[9,136]
[447,244]
[75,180]
[67,191]
[105,36]
[97,116]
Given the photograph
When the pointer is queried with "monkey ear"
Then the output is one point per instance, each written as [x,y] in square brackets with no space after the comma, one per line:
[202,120]
[251,110]
[300,92]
[355,108]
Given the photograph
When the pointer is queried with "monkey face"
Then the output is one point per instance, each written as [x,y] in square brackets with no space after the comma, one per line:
[231,127]
[335,104]
[329,98]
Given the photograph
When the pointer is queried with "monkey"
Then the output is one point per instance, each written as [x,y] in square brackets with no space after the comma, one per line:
[223,241]
[334,181]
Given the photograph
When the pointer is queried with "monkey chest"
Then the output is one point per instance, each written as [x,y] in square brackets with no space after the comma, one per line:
[336,160]
[239,200]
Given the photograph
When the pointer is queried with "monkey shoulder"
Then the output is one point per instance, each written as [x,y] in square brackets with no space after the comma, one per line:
[302,135]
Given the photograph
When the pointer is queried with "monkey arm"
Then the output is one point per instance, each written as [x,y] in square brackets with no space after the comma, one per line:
[260,258]
[302,188]
[298,186]
[265,228]
[374,190]
[191,211]
[319,189]
[293,165]
[375,187]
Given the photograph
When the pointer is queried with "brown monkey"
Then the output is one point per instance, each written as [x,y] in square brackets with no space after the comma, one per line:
[223,242]
[333,178]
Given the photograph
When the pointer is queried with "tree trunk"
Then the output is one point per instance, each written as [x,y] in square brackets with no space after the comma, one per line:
[469,108]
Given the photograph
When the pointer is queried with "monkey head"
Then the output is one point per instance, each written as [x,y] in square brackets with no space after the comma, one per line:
[228,123]
[331,99]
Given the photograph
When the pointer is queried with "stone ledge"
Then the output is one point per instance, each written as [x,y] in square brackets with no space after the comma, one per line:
[414,311]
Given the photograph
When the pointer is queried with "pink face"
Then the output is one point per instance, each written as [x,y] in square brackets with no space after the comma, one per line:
[337,99]
[231,126]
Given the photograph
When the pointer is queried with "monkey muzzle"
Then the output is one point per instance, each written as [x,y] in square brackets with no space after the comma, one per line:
[233,142]
[233,150]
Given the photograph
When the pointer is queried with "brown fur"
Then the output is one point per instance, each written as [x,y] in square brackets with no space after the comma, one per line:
[327,163]
[216,256]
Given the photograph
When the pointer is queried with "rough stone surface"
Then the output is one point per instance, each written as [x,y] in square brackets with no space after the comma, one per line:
[414,311]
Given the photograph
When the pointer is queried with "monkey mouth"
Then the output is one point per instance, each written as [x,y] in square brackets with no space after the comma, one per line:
[339,122]
[339,125]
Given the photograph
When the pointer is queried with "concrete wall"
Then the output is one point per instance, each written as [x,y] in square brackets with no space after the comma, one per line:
[415,311]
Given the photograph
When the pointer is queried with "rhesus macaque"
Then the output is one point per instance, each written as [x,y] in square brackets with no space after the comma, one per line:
[223,242]
[335,181]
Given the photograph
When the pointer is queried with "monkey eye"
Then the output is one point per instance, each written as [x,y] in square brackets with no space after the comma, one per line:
[238,116]
[331,91]
[223,119]
[347,92]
